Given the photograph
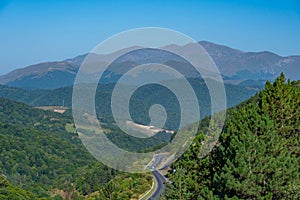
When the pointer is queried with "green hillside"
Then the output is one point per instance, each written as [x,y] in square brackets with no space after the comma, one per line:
[140,103]
[39,155]
[41,159]
[10,192]
[257,156]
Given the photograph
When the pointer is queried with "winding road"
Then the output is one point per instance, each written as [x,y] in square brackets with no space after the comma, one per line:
[159,178]
[160,185]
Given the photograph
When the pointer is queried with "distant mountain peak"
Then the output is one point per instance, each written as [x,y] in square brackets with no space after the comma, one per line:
[234,65]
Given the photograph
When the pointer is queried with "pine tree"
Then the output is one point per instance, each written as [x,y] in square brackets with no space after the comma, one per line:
[257,156]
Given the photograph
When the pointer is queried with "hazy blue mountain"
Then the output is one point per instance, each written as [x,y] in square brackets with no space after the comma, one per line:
[235,66]
[44,75]
[239,65]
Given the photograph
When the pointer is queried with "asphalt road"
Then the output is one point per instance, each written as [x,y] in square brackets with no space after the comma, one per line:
[159,178]
[157,160]
[160,185]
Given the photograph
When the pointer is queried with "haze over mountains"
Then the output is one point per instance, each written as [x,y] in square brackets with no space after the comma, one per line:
[236,67]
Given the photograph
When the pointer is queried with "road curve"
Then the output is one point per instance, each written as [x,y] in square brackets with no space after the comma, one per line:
[159,178]
[160,185]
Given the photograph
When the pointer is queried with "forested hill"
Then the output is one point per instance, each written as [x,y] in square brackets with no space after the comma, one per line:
[41,153]
[258,154]
[56,97]
[9,191]
[41,157]
[141,101]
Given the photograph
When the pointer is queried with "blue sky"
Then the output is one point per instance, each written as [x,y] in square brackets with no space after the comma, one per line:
[33,31]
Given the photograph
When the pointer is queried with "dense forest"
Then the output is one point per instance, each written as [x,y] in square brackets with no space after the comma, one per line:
[140,102]
[41,156]
[9,191]
[257,156]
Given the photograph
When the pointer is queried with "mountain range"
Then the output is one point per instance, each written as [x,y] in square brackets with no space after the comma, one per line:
[237,67]
[42,157]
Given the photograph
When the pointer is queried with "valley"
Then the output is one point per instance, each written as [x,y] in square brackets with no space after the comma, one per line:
[149,100]
[43,156]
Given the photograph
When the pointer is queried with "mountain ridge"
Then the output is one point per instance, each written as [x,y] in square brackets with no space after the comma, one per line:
[235,66]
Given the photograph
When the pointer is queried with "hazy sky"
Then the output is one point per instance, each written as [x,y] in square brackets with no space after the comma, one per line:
[33,31]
